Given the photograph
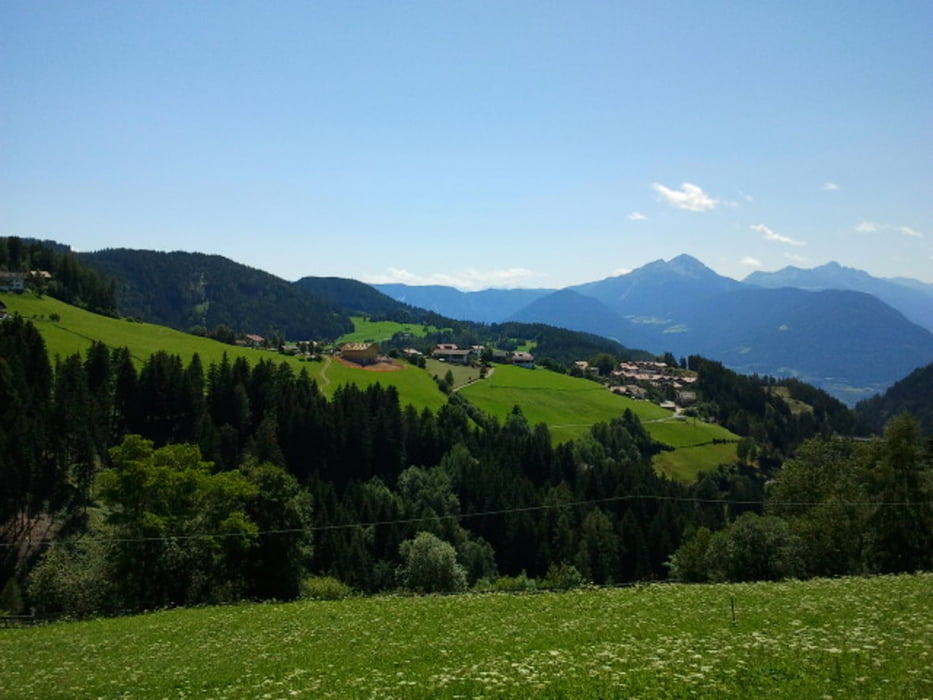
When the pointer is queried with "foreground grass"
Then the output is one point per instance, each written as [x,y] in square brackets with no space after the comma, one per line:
[845,638]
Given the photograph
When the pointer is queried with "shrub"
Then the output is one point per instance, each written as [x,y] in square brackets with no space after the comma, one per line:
[324,588]
[73,578]
[430,565]
[515,583]
[563,576]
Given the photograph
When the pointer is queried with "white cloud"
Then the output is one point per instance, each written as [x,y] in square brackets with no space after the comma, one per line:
[689,197]
[873,227]
[794,257]
[830,187]
[747,197]
[771,235]
[469,280]
[636,216]
[750,262]
[620,271]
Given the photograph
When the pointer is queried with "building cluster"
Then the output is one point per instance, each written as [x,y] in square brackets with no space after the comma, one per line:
[635,376]
[450,352]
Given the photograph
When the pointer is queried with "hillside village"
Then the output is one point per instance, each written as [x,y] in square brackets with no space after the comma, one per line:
[637,379]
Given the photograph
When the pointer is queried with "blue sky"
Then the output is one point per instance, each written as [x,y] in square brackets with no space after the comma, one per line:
[534,144]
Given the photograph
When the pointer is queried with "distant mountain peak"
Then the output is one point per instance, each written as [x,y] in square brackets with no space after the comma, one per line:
[689,265]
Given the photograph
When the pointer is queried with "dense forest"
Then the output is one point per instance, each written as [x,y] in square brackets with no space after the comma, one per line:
[185,290]
[130,488]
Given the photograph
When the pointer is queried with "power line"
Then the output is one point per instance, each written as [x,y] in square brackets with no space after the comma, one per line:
[480,514]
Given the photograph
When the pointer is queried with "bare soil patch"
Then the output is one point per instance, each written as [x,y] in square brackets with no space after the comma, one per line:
[383,365]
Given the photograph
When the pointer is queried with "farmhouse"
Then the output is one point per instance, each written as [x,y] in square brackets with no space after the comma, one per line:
[686,398]
[636,392]
[523,359]
[360,353]
[451,353]
[12,281]
[254,341]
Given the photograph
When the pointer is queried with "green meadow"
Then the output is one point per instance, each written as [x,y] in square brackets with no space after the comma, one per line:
[686,463]
[462,374]
[570,406]
[367,331]
[840,638]
[414,385]
[76,329]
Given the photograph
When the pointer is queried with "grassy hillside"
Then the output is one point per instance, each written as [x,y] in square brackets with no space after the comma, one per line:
[686,463]
[841,638]
[571,405]
[75,330]
[366,331]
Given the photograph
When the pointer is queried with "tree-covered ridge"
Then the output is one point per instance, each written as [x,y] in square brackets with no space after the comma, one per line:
[69,280]
[185,290]
[354,297]
[748,406]
[913,394]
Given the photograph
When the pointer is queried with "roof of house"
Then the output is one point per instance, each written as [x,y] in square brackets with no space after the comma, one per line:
[358,347]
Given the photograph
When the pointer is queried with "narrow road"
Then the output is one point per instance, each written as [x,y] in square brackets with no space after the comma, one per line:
[324,378]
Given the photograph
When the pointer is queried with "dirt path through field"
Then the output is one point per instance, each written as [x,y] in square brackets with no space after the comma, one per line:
[488,375]
[324,378]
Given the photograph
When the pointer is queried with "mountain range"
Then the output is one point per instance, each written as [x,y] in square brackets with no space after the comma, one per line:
[912,298]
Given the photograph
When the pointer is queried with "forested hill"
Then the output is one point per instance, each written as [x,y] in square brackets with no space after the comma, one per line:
[184,290]
[913,394]
[355,297]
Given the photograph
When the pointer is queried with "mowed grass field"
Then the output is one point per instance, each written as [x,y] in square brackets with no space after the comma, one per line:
[841,638]
[686,463]
[367,331]
[570,406]
[77,328]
